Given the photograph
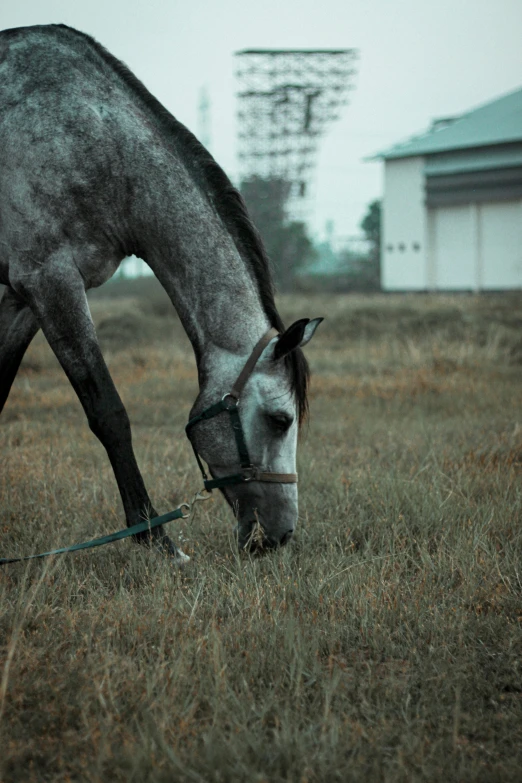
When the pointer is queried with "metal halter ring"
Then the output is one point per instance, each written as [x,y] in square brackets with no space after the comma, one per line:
[236,400]
[187,506]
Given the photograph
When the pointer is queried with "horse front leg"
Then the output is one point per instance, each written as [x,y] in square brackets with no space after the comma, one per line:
[59,302]
[18,326]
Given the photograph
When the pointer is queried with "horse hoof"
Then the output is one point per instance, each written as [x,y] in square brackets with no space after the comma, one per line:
[166,546]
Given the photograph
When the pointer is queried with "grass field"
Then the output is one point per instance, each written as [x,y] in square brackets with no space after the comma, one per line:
[383,644]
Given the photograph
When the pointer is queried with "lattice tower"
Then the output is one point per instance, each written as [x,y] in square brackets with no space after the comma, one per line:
[286,100]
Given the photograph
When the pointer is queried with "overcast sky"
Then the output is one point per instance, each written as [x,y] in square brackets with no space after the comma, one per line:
[419,60]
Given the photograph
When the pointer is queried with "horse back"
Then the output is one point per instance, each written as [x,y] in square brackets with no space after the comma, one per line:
[67,127]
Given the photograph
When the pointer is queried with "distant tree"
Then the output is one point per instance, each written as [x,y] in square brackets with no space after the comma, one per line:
[266,198]
[287,242]
[371,225]
[292,248]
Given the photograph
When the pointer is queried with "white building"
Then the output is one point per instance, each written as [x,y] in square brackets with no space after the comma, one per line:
[452,208]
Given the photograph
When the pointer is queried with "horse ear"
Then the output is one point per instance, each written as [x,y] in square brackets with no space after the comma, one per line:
[296,336]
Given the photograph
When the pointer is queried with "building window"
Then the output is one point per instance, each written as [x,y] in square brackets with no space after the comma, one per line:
[402,247]
[416,246]
[389,248]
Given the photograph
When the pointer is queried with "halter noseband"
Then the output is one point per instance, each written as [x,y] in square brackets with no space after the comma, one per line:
[230,402]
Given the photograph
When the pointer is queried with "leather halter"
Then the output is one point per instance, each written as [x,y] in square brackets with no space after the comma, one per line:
[229,403]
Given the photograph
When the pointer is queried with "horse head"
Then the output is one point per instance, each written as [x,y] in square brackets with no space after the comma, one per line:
[244,424]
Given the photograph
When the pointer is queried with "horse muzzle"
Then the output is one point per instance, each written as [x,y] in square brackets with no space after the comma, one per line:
[252,537]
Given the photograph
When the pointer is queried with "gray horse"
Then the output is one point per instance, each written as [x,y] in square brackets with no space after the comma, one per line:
[92,169]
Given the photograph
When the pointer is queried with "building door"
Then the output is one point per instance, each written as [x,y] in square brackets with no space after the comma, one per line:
[453,247]
[501,244]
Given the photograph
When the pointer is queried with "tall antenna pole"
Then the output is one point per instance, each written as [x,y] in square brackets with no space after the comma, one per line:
[204,127]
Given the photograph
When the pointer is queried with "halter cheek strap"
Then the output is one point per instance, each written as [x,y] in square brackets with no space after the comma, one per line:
[229,403]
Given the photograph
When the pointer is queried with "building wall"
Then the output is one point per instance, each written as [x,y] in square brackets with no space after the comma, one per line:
[498,157]
[403,251]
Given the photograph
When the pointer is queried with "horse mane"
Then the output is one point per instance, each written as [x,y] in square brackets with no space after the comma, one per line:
[229,205]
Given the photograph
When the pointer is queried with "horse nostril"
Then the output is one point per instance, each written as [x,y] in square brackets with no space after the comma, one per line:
[287,536]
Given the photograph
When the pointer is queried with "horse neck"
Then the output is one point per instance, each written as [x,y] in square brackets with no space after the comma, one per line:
[194,257]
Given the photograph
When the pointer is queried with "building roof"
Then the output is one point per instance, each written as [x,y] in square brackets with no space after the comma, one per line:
[278,52]
[497,122]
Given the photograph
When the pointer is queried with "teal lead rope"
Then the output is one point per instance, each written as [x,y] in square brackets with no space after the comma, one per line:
[141,527]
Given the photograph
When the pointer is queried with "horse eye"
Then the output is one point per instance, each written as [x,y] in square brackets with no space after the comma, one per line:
[280,422]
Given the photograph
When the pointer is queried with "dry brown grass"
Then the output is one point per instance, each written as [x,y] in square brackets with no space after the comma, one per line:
[384,644]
